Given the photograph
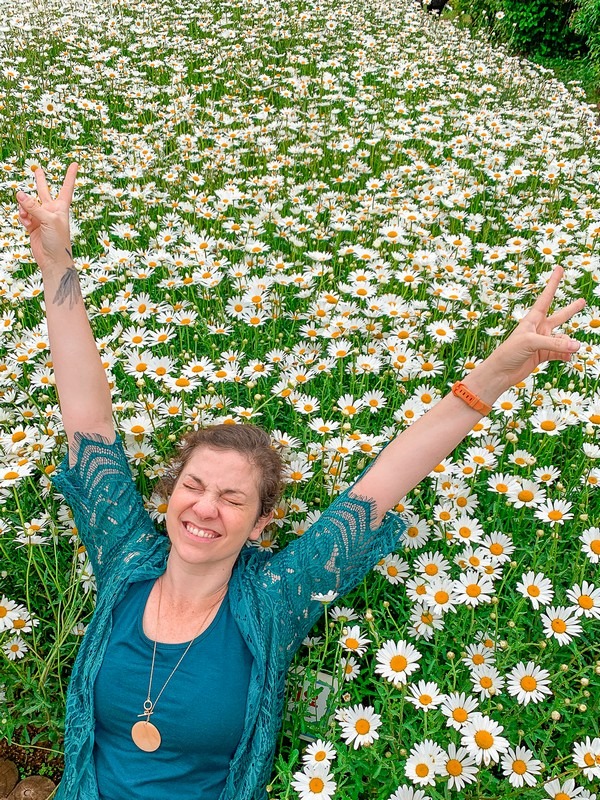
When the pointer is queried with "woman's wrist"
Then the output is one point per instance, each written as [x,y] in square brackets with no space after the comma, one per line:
[487,382]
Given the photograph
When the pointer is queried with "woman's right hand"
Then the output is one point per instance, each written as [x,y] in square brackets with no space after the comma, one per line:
[46,219]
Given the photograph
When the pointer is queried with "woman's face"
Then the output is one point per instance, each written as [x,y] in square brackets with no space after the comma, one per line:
[213,509]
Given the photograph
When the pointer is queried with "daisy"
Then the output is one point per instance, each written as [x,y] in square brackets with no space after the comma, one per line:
[460,767]
[562,791]
[424,762]
[353,641]
[508,403]
[319,752]
[408,793]
[520,767]
[458,708]
[432,565]
[397,660]
[374,401]
[359,725]
[591,544]
[499,546]
[472,588]
[501,483]
[343,614]
[587,756]
[561,623]
[15,648]
[464,529]
[417,531]
[9,611]
[478,560]
[536,588]
[555,511]
[425,695]
[525,493]
[440,595]
[486,680]
[314,783]
[547,475]
[528,683]
[547,420]
[586,599]
[424,622]
[350,668]
[481,737]
[393,568]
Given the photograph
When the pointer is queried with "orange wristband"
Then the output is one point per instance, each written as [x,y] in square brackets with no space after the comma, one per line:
[476,403]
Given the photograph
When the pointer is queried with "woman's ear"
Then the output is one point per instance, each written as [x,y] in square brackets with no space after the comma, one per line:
[259,526]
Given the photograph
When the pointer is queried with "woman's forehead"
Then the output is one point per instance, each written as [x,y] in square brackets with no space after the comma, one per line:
[228,470]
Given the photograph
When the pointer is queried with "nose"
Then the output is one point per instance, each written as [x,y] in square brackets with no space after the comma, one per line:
[205,506]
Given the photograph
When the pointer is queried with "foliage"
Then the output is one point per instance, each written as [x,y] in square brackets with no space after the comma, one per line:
[315,216]
[540,27]
[586,22]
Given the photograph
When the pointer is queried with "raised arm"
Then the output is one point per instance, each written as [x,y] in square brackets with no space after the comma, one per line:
[84,394]
[416,451]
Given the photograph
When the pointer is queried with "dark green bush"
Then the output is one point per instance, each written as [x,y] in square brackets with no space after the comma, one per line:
[541,27]
[586,23]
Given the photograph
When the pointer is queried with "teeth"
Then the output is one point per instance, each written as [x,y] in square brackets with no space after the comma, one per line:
[200,532]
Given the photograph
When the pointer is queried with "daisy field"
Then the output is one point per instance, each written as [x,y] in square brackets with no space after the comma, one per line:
[316,217]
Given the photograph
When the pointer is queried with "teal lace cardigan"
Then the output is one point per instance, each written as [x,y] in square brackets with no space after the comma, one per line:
[270,596]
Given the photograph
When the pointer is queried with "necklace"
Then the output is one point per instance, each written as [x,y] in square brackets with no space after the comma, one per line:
[144,733]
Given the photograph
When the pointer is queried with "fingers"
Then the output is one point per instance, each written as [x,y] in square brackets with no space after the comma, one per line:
[42,185]
[68,187]
[29,209]
[564,314]
[561,345]
[544,301]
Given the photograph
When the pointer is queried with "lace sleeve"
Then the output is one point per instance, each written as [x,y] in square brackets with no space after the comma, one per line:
[107,508]
[333,555]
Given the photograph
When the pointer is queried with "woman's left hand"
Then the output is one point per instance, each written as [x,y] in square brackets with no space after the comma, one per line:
[532,341]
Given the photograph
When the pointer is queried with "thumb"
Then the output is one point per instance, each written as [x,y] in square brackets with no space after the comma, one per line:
[31,206]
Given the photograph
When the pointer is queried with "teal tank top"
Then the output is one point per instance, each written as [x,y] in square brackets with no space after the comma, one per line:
[200,714]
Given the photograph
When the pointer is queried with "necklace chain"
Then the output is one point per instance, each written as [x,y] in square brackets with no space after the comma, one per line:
[150,706]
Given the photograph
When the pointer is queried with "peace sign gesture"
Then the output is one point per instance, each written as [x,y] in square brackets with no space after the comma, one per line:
[47,219]
[532,342]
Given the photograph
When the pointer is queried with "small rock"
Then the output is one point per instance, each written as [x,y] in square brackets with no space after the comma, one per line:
[34,788]
[9,776]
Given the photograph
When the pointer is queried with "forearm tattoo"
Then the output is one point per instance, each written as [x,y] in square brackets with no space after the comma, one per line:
[68,288]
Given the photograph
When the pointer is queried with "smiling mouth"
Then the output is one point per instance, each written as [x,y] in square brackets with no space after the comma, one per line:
[200,533]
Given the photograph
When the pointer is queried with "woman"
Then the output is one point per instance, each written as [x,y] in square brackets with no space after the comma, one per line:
[178,685]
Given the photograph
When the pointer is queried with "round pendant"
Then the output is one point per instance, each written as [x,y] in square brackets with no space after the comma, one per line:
[146,736]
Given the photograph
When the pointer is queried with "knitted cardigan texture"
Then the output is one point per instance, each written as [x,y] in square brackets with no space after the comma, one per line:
[270,599]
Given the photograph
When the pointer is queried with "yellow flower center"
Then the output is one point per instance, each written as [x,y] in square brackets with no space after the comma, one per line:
[528,683]
[454,767]
[559,625]
[316,785]
[519,766]
[459,715]
[484,739]
[525,496]
[398,663]
[362,726]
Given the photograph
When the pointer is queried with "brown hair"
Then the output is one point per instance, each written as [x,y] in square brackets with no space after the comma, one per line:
[247,439]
